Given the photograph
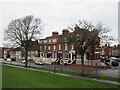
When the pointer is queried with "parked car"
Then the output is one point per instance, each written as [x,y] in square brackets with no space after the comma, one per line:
[102,59]
[13,59]
[115,59]
[9,60]
[105,59]
[23,61]
[115,63]
[38,62]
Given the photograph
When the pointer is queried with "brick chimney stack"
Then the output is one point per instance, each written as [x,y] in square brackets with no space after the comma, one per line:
[64,32]
[55,33]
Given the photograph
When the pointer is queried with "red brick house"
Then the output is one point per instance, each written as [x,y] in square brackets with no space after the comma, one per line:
[106,50]
[51,48]
[116,51]
[1,52]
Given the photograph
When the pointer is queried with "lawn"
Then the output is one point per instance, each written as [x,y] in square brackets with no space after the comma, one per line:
[21,78]
[75,73]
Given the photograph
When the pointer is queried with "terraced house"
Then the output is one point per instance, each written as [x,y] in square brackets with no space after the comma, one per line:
[50,47]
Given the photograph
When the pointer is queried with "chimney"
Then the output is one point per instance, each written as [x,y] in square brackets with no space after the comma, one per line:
[64,32]
[54,33]
[76,27]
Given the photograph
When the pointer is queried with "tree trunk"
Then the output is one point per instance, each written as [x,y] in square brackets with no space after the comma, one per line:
[26,57]
[93,54]
[82,64]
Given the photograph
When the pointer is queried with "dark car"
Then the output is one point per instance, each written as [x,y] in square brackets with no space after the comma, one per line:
[107,59]
[102,59]
[114,63]
[13,59]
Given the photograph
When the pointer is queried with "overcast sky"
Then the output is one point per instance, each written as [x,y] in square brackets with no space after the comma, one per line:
[59,14]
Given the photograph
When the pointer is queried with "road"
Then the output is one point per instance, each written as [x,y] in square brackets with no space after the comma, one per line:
[102,72]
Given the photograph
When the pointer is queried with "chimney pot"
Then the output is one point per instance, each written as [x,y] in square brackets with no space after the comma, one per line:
[64,32]
[55,33]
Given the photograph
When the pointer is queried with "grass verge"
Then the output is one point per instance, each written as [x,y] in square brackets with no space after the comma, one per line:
[75,73]
[22,78]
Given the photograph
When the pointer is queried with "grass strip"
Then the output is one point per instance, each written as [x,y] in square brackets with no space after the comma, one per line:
[14,77]
[74,73]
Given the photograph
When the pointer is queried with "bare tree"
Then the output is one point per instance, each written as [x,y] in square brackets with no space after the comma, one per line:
[83,35]
[21,31]
[103,31]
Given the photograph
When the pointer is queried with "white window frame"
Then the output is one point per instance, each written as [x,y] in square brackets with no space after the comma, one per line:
[59,46]
[44,47]
[49,40]
[49,48]
[66,47]
[54,47]
[45,41]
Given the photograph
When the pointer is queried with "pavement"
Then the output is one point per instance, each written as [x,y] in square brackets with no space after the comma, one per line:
[68,75]
[102,72]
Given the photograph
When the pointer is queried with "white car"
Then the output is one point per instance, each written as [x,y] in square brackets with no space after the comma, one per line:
[115,59]
[9,60]
[23,61]
[38,62]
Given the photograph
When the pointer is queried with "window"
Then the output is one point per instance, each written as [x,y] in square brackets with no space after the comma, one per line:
[54,47]
[45,41]
[54,40]
[66,54]
[72,47]
[40,41]
[44,47]
[49,40]
[48,47]
[59,47]
[40,47]
[65,46]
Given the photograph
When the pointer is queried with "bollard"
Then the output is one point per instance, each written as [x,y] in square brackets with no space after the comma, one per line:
[88,71]
[54,68]
[96,71]
[96,68]
[42,66]
[61,68]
